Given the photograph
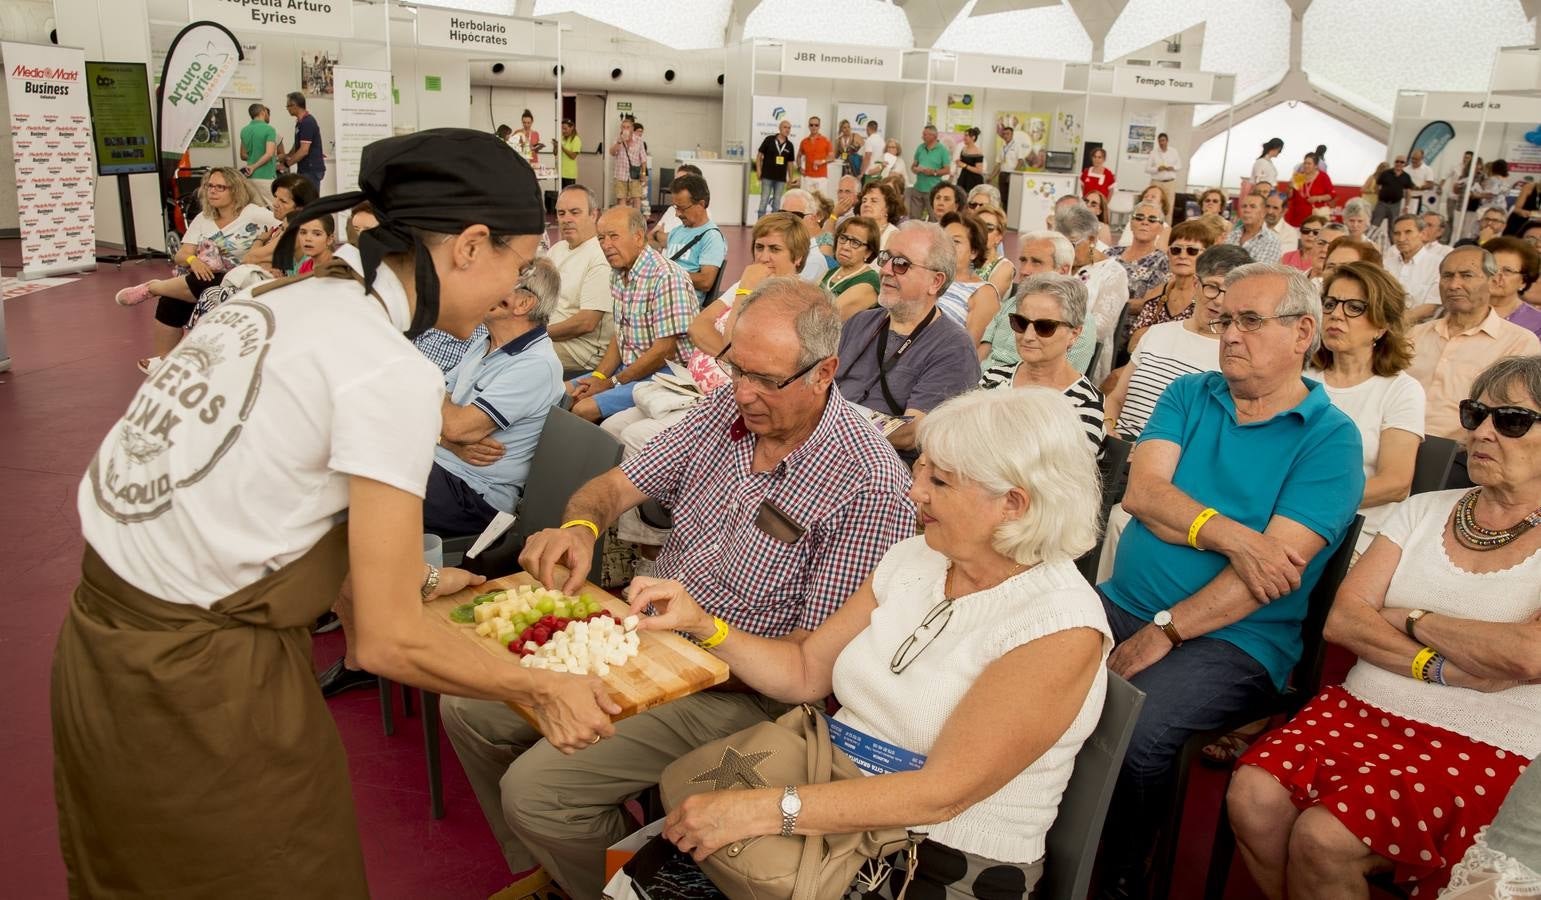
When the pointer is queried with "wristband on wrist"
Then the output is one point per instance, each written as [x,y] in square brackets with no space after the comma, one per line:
[600,375]
[1421,661]
[1437,671]
[1198,522]
[190,258]
[585,523]
[718,636]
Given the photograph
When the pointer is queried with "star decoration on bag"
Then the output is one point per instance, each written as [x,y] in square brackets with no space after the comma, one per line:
[735,769]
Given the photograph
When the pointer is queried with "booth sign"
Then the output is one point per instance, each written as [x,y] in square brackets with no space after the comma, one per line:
[840,61]
[1139,82]
[471,32]
[322,18]
[1009,73]
[1467,107]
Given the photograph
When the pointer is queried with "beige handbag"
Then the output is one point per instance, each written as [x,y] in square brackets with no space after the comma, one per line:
[795,749]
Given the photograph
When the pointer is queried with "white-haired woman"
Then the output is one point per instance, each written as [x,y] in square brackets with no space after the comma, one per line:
[1050,312]
[1357,216]
[931,653]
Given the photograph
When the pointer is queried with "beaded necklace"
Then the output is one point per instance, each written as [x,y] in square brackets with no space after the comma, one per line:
[1475,537]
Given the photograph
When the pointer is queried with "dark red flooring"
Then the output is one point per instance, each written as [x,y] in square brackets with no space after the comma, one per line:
[74,353]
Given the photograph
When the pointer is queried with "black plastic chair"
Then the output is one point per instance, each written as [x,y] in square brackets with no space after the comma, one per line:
[1071,856]
[570,453]
[1113,468]
[1305,679]
[1431,470]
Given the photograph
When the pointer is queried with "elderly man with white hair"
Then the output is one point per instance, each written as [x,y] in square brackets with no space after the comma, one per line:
[800,202]
[1107,281]
[1242,485]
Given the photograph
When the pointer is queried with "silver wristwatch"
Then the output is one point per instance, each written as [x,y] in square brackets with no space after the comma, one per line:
[791,805]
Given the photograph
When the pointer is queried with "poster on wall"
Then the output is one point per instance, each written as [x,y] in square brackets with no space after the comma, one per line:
[361,115]
[51,149]
[1525,154]
[246,83]
[767,113]
[1140,139]
[859,114]
[1067,132]
[1031,131]
[215,130]
[316,72]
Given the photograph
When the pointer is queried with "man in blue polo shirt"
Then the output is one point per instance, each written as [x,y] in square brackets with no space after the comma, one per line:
[1243,483]
[308,157]
[498,399]
[697,244]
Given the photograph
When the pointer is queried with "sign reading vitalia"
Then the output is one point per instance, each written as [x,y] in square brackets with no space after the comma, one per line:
[324,18]
[1463,107]
[51,147]
[1138,82]
[1007,72]
[479,33]
[121,125]
[840,61]
[361,115]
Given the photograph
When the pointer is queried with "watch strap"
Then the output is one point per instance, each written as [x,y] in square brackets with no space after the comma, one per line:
[1411,622]
[788,820]
[1170,630]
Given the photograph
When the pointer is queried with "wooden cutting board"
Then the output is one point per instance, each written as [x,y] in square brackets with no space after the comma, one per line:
[667,667]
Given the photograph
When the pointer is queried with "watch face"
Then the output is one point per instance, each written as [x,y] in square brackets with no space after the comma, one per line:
[1163,619]
[791,804]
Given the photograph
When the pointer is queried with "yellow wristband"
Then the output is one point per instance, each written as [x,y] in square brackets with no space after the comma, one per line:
[717,637]
[1422,660]
[190,258]
[600,375]
[1198,522]
[742,292]
[585,523]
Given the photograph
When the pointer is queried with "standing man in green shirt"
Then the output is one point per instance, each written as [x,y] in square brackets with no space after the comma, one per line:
[932,162]
[572,145]
[259,150]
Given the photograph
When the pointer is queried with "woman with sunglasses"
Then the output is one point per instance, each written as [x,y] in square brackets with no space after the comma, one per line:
[1051,310]
[929,657]
[1173,300]
[1154,196]
[1212,203]
[884,206]
[1519,267]
[1097,202]
[1146,263]
[1362,363]
[853,282]
[996,269]
[1300,257]
[969,300]
[1398,768]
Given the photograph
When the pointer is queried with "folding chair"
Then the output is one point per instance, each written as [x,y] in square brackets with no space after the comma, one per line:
[1431,470]
[1113,468]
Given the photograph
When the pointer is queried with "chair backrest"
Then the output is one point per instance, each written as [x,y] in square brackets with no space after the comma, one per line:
[571,452]
[1113,469]
[1307,676]
[1077,829]
[1431,469]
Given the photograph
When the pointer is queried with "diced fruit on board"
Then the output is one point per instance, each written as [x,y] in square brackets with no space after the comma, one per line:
[510,615]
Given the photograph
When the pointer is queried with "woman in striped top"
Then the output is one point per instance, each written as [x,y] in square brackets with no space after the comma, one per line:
[1051,309]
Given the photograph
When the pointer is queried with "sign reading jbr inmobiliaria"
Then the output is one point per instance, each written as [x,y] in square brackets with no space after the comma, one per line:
[323,18]
[840,61]
[361,115]
[51,144]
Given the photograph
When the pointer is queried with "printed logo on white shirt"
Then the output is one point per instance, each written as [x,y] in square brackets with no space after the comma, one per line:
[197,402]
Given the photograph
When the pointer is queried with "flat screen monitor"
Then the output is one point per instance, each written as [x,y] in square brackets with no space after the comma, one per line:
[1059,160]
[122,126]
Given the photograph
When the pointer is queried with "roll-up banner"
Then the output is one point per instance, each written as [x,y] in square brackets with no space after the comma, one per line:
[200,63]
[51,142]
[361,115]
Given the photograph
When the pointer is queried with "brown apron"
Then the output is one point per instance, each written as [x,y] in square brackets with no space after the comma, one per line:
[193,754]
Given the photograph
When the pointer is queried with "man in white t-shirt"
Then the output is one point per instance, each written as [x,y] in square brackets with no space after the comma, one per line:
[872,147]
[1414,266]
[1273,216]
[1162,166]
[1007,158]
[1421,172]
[584,318]
[801,203]
[670,220]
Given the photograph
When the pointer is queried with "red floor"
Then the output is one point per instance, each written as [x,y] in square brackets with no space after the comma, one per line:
[74,353]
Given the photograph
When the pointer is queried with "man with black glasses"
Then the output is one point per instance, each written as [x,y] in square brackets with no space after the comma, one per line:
[1244,482]
[784,500]
[904,358]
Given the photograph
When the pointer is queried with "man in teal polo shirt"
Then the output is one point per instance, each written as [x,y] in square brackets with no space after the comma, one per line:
[1242,485]
[932,163]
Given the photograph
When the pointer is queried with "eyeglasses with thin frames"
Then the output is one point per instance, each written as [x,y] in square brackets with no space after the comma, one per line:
[765,384]
[929,629]
[1246,323]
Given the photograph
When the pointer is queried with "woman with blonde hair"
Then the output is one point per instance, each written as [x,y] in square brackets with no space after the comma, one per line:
[1097,202]
[996,269]
[233,216]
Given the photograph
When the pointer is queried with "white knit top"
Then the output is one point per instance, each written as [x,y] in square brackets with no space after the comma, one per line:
[1425,578]
[911,708]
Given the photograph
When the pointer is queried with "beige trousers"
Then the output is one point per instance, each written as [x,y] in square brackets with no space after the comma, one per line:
[561,812]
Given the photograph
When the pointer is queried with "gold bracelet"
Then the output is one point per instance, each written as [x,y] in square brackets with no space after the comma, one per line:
[585,523]
[1198,522]
[717,637]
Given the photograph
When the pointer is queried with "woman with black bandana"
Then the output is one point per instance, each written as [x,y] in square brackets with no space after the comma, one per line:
[276,461]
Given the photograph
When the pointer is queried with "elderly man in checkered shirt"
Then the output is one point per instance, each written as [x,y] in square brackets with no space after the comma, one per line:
[784,499]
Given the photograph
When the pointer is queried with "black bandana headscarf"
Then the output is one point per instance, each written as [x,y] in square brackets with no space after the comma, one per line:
[442,180]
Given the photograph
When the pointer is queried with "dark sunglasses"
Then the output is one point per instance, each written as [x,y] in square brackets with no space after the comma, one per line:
[1045,328]
[977,205]
[900,264]
[1509,421]
[1351,308]
[1141,217]
[1310,232]
[1185,251]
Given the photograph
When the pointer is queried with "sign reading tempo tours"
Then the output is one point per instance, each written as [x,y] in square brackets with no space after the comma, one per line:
[322,18]
[1139,82]
[840,61]
[456,29]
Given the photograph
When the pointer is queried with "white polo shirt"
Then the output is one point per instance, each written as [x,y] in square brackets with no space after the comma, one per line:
[1419,276]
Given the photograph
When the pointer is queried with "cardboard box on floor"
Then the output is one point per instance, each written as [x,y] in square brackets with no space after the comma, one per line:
[617,884]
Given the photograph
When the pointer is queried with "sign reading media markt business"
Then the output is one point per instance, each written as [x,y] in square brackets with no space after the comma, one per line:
[840,61]
[323,18]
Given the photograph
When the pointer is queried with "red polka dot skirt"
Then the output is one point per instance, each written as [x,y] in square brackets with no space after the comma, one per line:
[1414,793]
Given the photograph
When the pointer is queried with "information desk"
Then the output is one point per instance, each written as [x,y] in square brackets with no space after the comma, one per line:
[1033,195]
[727,180]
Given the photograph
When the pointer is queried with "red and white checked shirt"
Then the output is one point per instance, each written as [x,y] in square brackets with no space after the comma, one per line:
[632,153]
[844,486]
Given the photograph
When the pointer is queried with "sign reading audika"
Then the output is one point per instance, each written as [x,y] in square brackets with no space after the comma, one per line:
[323,18]
[1467,107]
[1009,73]
[840,61]
[471,32]
[1139,82]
